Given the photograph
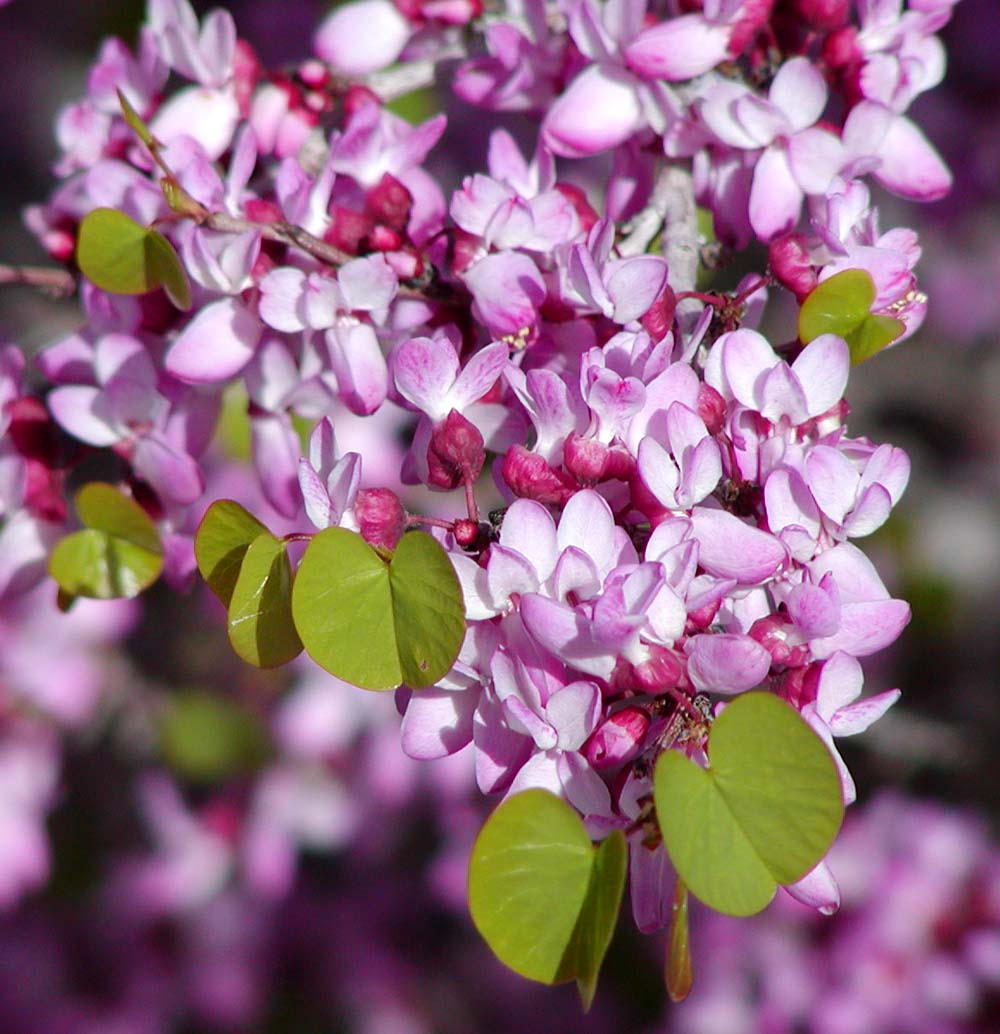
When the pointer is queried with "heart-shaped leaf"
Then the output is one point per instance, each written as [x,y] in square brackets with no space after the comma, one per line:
[118,554]
[763,813]
[379,622]
[221,542]
[842,305]
[542,896]
[261,629]
[122,257]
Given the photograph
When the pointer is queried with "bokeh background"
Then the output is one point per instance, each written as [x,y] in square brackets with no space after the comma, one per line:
[189,845]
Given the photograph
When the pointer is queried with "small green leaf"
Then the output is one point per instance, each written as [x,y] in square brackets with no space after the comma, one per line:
[101,566]
[764,812]
[221,542]
[166,270]
[122,257]
[134,120]
[379,624]
[205,737]
[118,554]
[427,607]
[102,507]
[874,334]
[842,306]
[261,629]
[542,897]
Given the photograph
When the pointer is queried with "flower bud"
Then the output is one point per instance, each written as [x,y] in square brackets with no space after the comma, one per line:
[822,15]
[841,50]
[578,199]
[711,408]
[590,460]
[659,317]
[456,452]
[348,229]
[790,262]
[662,671]
[529,476]
[466,532]
[389,202]
[380,516]
[618,739]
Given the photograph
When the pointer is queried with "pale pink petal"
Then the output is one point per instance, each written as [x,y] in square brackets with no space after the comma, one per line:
[86,413]
[799,89]
[362,37]
[726,663]
[822,368]
[679,48]
[174,475]
[599,110]
[215,345]
[775,197]
[818,889]
[910,165]
[729,548]
[856,717]
[360,367]
[438,722]
[633,285]
[574,712]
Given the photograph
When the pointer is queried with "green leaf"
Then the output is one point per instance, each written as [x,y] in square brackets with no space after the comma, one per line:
[842,306]
[102,507]
[261,629]
[118,554]
[122,257]
[166,270]
[374,623]
[205,737]
[599,914]
[221,542]
[92,563]
[764,812]
[542,897]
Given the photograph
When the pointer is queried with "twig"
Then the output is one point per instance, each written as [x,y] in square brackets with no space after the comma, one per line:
[56,282]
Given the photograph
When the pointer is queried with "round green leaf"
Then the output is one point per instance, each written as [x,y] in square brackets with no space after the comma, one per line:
[375,623]
[102,507]
[837,306]
[873,334]
[95,564]
[261,628]
[764,812]
[205,737]
[221,542]
[529,875]
[117,555]
[428,609]
[120,256]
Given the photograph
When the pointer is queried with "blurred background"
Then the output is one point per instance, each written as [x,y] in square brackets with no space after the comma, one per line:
[189,845]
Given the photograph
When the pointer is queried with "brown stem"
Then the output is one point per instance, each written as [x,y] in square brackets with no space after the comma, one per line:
[57,282]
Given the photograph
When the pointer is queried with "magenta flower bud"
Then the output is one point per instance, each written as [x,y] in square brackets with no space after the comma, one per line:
[659,317]
[348,229]
[314,73]
[381,517]
[246,73]
[645,502]
[711,408]
[358,96]
[841,50]
[382,238]
[585,458]
[772,633]
[456,452]
[790,262]
[390,203]
[529,476]
[466,531]
[262,211]
[662,671]
[822,15]
[618,739]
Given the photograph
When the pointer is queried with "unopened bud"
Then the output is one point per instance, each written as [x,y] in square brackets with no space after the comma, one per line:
[698,620]
[659,317]
[456,452]
[618,739]
[466,532]
[841,49]
[662,671]
[790,262]
[380,516]
[711,408]
[348,229]
[389,202]
[822,15]
[357,97]
[591,461]
[529,476]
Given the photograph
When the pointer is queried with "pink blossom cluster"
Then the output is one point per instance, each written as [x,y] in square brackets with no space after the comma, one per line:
[674,497]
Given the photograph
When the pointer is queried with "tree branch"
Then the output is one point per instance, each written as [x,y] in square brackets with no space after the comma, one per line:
[59,283]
